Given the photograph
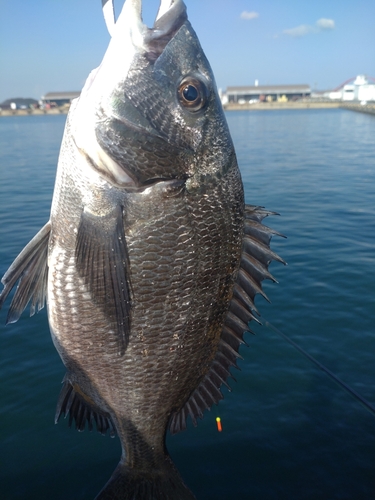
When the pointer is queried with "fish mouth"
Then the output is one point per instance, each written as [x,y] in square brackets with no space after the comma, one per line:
[170,17]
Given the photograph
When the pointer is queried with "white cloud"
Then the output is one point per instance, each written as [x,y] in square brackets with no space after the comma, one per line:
[299,31]
[249,15]
[325,24]
[305,29]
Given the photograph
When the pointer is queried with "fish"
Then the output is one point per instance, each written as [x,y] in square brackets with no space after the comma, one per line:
[151,260]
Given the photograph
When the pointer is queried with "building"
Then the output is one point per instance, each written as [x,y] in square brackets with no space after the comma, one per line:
[58,98]
[355,89]
[347,93]
[242,95]
[363,89]
[19,103]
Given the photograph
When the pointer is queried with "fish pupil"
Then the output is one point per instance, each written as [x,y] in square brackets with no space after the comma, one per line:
[190,93]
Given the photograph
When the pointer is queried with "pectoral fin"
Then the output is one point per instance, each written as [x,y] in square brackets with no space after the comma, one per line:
[31,269]
[102,261]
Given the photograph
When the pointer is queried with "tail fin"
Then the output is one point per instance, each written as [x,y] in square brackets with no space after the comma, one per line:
[134,484]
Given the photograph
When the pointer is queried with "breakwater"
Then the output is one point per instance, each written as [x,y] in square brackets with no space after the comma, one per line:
[269,106]
[305,104]
[361,108]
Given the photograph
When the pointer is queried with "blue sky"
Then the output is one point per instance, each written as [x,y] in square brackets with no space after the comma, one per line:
[51,45]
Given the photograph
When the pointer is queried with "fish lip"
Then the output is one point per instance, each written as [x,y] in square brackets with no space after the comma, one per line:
[167,183]
[152,41]
[168,18]
[168,21]
[164,183]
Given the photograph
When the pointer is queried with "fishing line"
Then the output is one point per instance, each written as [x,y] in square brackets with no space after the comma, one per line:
[336,379]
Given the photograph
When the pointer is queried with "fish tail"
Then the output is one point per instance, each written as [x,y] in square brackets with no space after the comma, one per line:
[133,484]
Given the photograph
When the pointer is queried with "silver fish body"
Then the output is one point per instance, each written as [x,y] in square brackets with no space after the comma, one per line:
[151,260]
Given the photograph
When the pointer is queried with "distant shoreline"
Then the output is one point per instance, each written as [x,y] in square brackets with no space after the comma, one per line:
[259,106]
[25,112]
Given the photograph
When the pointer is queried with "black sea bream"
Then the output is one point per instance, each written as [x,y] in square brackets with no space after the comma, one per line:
[150,261]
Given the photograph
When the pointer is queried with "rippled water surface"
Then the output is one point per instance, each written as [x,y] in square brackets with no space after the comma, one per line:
[289,432]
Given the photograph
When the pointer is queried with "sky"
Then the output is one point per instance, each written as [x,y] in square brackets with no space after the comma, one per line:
[52,45]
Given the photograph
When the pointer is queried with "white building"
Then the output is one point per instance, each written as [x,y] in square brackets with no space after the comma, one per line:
[359,90]
[348,93]
[363,89]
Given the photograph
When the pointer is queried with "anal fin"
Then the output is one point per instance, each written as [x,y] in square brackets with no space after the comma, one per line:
[31,269]
[82,409]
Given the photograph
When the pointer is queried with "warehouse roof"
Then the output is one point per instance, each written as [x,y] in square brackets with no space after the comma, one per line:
[270,89]
[51,96]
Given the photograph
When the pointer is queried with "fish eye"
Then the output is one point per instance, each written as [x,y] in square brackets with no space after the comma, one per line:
[192,94]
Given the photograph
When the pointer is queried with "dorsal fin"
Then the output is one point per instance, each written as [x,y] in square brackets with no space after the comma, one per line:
[256,257]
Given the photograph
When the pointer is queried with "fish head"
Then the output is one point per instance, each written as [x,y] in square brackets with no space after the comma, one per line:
[151,111]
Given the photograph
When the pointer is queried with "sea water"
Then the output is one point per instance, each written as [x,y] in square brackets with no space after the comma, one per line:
[289,432]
